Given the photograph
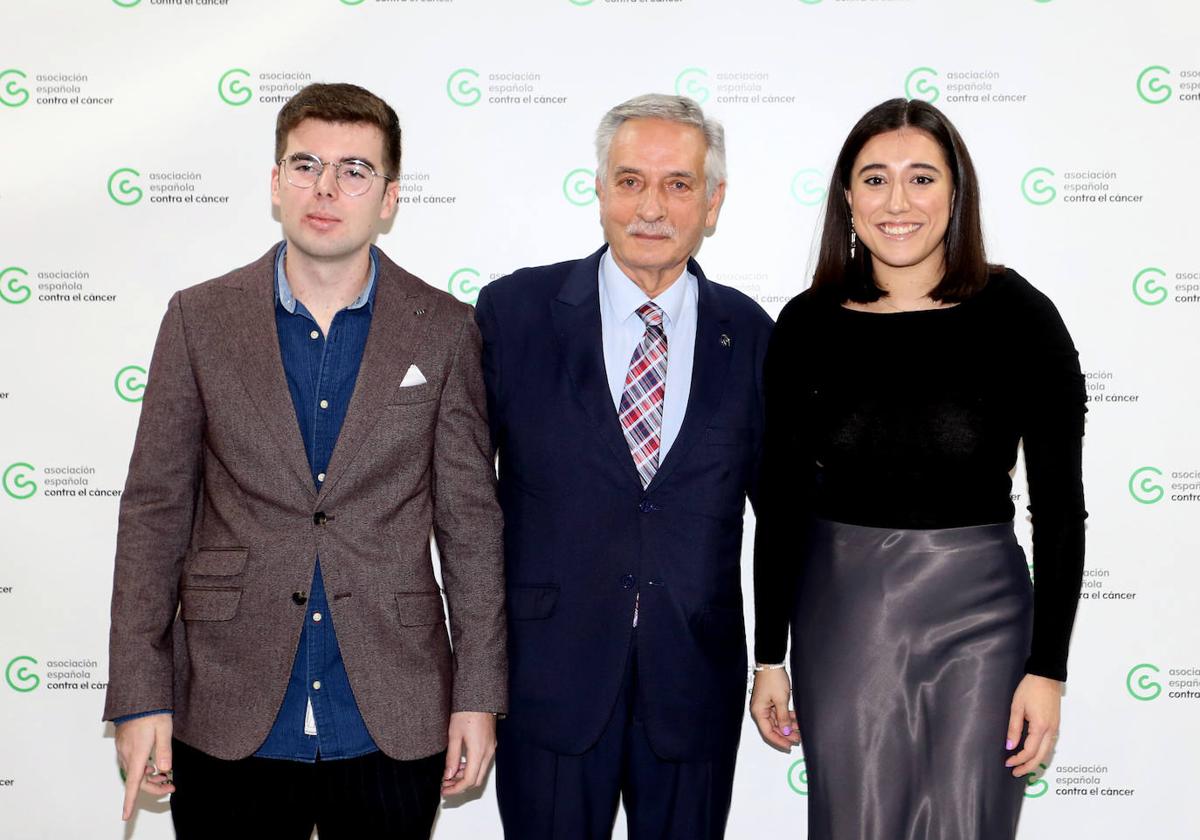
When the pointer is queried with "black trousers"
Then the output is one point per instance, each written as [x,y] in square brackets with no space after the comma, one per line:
[371,796]
[547,796]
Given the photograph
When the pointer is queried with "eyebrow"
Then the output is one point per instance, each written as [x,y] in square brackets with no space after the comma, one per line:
[871,166]
[358,158]
[632,170]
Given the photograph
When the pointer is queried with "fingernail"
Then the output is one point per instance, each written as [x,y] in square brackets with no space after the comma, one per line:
[1009,744]
[787,730]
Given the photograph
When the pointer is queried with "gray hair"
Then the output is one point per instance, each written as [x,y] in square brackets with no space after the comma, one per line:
[677,109]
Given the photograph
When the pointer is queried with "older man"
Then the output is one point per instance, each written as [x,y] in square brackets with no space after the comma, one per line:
[625,401]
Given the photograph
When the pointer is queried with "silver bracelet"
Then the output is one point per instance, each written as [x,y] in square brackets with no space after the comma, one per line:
[758,666]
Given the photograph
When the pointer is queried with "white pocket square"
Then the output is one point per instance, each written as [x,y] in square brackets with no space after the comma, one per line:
[412,376]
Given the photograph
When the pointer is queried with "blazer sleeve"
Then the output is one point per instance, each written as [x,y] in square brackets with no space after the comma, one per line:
[154,527]
[468,526]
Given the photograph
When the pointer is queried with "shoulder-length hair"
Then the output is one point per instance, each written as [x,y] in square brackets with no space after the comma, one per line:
[852,278]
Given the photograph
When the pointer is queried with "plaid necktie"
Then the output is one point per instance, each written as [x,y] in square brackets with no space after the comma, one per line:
[642,399]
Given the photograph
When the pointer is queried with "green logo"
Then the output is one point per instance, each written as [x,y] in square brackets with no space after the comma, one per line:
[1035,785]
[1035,188]
[1150,86]
[129,383]
[1146,288]
[126,4]
[581,2]
[230,87]
[810,2]
[918,84]
[797,774]
[11,92]
[808,187]
[16,482]
[124,191]
[352,2]
[693,82]
[460,89]
[11,287]
[19,677]
[1143,488]
[579,187]
[1139,683]
[464,286]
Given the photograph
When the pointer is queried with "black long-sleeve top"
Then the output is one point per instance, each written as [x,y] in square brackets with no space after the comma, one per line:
[912,420]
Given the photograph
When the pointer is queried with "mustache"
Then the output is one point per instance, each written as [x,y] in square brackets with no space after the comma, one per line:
[641,228]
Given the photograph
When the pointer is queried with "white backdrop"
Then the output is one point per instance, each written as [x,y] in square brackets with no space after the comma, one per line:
[137,143]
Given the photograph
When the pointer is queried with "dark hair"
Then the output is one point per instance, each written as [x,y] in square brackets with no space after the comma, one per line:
[341,103]
[852,278]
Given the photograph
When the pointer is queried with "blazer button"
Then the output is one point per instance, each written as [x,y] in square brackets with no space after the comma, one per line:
[299,598]
[627,581]
[319,518]
[646,506]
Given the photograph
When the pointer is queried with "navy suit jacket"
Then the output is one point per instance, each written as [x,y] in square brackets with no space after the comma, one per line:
[582,537]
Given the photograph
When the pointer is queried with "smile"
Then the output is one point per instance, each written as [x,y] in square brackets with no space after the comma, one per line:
[899,231]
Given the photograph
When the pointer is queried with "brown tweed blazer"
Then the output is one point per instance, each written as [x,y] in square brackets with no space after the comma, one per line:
[220,524]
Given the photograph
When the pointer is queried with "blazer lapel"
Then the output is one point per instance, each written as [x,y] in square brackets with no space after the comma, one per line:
[710,366]
[398,326]
[575,313]
[252,318]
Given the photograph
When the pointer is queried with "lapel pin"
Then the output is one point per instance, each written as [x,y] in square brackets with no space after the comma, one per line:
[726,341]
[420,311]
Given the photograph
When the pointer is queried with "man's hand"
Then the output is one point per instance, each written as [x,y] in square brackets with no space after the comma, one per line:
[144,752]
[472,746]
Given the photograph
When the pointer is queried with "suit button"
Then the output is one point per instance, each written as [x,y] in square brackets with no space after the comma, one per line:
[627,581]
[645,506]
[299,598]
[319,518]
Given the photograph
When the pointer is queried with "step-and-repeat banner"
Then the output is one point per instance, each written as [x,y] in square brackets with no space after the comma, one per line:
[137,140]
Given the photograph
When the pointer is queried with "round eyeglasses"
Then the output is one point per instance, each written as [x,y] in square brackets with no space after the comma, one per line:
[354,177]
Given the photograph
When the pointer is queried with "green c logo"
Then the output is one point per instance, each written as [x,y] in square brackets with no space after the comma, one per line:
[581,2]
[1143,488]
[1034,186]
[693,82]
[797,775]
[1144,687]
[579,187]
[130,382]
[230,87]
[810,2]
[918,85]
[352,2]
[11,92]
[11,287]
[1146,288]
[1150,86]
[121,191]
[808,187]
[25,680]
[16,483]
[462,285]
[1035,785]
[459,87]
[126,4]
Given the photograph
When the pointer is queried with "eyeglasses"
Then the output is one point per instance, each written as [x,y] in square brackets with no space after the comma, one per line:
[354,177]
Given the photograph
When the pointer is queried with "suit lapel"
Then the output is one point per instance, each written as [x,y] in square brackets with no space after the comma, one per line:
[399,322]
[710,367]
[575,313]
[252,318]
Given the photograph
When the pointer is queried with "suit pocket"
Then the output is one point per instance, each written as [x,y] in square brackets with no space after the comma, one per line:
[410,394]
[533,602]
[218,561]
[720,628]
[728,437]
[420,609]
[197,604]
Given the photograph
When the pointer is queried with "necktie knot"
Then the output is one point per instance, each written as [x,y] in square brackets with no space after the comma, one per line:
[651,314]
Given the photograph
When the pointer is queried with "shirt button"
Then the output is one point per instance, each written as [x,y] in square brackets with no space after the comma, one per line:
[320,476]
[316,616]
[324,403]
[314,334]
[316,685]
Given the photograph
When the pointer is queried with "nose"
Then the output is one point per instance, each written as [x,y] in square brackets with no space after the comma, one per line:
[327,181]
[898,197]
[651,208]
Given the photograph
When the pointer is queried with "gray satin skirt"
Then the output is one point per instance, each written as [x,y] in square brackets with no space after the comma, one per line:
[907,647]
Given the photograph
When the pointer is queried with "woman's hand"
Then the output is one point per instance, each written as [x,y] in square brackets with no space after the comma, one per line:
[1037,701]
[769,708]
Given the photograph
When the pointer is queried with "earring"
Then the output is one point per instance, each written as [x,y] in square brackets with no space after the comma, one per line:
[853,238]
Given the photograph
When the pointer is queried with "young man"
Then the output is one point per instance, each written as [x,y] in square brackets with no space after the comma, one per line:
[625,399]
[278,653]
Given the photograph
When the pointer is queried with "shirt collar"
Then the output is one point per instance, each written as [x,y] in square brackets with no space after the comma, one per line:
[625,297]
[283,289]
